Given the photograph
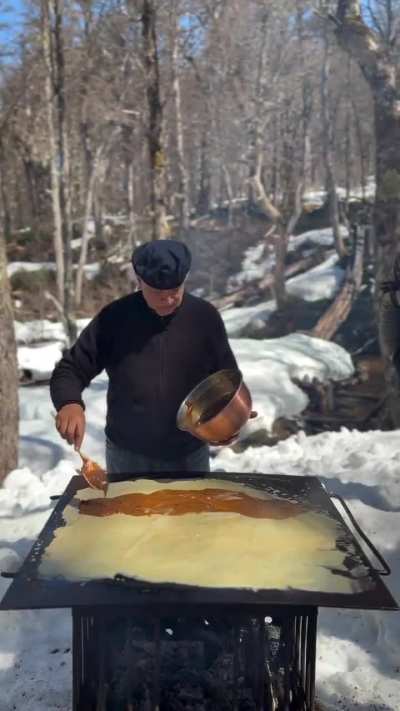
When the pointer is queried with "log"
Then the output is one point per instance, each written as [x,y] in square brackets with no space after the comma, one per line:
[257,288]
[339,310]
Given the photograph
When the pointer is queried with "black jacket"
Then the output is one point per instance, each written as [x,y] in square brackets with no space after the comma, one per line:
[152,362]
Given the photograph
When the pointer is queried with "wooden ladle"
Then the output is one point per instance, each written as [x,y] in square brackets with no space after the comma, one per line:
[93,473]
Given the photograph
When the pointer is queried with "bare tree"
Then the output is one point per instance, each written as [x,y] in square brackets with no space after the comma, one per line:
[157,155]
[182,178]
[8,373]
[328,144]
[53,51]
[380,72]
[246,103]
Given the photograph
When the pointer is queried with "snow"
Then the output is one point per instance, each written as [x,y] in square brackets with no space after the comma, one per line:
[40,346]
[38,363]
[322,237]
[43,330]
[358,660]
[357,665]
[256,263]
[317,197]
[357,651]
[15,267]
[90,270]
[321,282]
[294,356]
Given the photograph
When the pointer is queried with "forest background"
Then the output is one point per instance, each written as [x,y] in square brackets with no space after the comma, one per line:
[212,121]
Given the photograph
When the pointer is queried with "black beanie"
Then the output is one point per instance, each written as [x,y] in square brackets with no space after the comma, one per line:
[162,264]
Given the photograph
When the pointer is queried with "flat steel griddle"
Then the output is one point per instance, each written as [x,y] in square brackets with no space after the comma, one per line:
[29,591]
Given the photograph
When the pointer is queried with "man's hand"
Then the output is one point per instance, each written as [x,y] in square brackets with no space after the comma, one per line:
[70,422]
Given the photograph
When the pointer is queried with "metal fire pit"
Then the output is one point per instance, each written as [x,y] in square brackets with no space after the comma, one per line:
[260,659]
[265,639]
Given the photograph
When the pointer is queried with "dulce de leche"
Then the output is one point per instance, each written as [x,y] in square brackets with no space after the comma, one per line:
[176,502]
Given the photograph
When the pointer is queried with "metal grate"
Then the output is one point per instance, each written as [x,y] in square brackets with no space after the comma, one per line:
[132,661]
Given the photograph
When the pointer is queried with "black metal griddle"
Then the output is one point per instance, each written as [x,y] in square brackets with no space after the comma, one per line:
[29,591]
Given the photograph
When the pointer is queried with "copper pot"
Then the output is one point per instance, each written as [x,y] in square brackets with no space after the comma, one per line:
[217,408]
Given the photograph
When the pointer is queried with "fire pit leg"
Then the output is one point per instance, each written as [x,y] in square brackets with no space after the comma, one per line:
[102,684]
[311,658]
[260,691]
[156,676]
[287,660]
[76,658]
[236,665]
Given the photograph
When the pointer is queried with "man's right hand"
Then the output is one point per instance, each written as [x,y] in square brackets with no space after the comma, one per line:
[70,422]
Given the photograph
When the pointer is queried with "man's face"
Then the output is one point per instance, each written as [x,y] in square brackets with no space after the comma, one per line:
[163,301]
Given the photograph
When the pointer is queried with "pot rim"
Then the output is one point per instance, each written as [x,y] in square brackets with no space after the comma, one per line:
[182,411]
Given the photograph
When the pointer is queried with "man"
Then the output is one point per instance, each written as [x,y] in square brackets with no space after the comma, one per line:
[156,345]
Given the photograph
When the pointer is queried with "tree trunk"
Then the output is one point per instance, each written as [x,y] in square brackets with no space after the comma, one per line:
[307,103]
[8,374]
[84,121]
[159,225]
[4,196]
[363,45]
[338,312]
[131,240]
[280,247]
[255,127]
[361,149]
[63,161]
[204,196]
[98,169]
[328,147]
[275,176]
[53,50]
[85,234]
[229,192]
[183,190]
[55,192]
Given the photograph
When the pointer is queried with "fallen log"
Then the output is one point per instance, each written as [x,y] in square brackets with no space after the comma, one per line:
[257,288]
[339,310]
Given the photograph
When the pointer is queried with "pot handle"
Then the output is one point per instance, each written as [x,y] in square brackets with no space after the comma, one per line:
[386,568]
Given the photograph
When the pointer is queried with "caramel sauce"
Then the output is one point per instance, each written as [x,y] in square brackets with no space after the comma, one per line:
[175,502]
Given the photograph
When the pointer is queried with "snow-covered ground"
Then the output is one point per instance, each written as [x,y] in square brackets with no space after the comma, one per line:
[259,259]
[358,661]
[91,270]
[317,197]
[320,282]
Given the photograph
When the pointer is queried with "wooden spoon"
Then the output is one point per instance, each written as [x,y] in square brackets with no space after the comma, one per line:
[93,473]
